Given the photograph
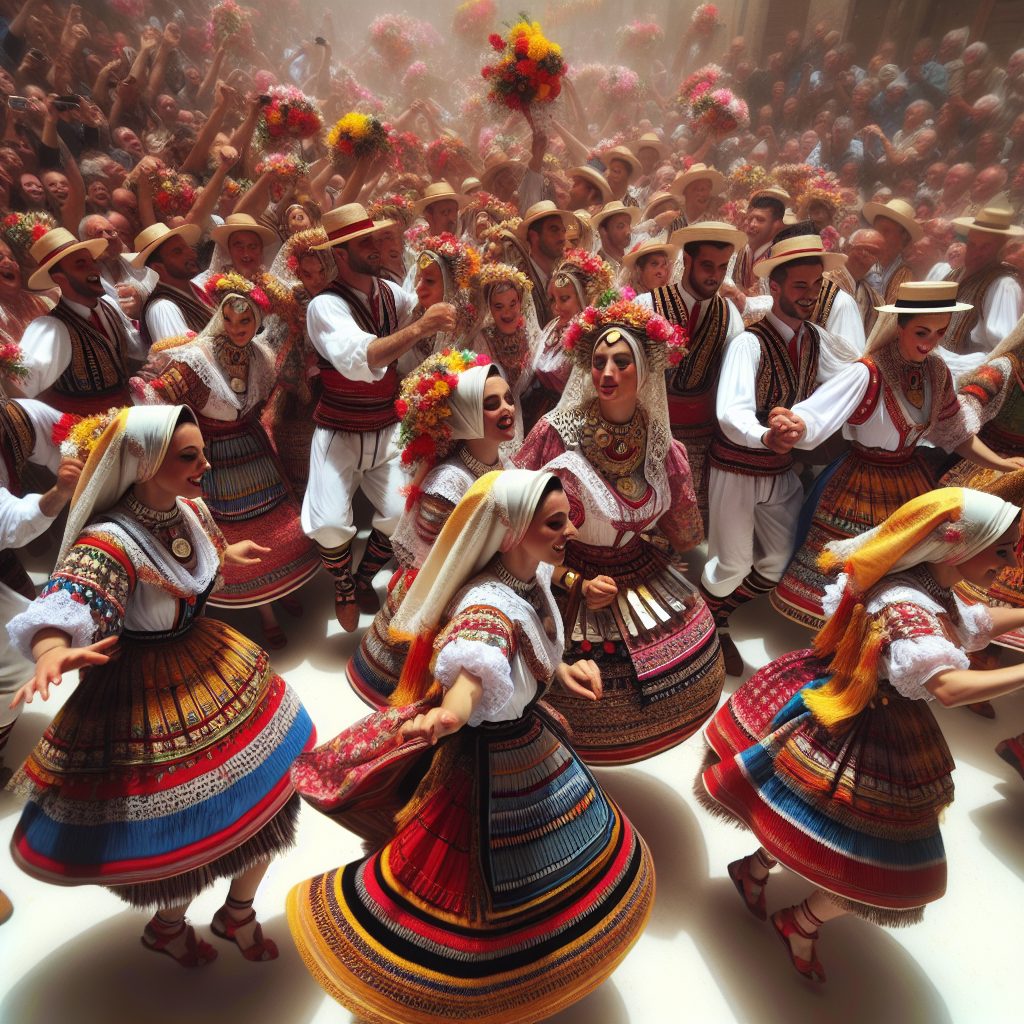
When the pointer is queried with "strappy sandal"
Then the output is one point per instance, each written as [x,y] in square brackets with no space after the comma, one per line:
[224,927]
[785,924]
[744,880]
[156,937]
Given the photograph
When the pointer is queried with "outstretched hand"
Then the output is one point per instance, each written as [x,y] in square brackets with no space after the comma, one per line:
[599,592]
[432,725]
[582,679]
[245,552]
[52,664]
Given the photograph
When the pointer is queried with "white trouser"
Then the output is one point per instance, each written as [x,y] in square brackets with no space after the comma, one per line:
[751,525]
[340,463]
[14,669]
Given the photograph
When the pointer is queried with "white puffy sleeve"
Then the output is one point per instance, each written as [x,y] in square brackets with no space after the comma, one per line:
[335,335]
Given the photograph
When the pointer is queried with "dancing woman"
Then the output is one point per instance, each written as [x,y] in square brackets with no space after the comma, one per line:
[508,886]
[167,767]
[831,756]
[457,410]
[227,376]
[633,504]
[898,395]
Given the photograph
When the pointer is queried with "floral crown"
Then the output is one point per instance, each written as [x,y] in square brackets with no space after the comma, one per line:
[664,343]
[463,261]
[23,230]
[76,436]
[423,406]
[391,207]
[301,244]
[500,233]
[484,202]
[593,274]
[501,273]
[221,285]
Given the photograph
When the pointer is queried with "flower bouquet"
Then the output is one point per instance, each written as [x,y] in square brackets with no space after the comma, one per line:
[174,194]
[718,112]
[747,178]
[407,151]
[639,39]
[621,85]
[230,21]
[472,19]
[529,69]
[290,114]
[284,166]
[357,135]
[393,37]
[352,93]
[445,154]
[11,366]
[734,212]
[415,77]
[704,20]
[794,177]
[700,81]
[22,230]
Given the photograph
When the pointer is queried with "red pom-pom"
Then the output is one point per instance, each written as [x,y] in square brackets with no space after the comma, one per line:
[609,647]
[585,646]
[60,430]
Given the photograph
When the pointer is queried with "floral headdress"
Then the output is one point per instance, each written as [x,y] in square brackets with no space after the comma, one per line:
[592,276]
[664,343]
[76,436]
[492,274]
[485,202]
[220,285]
[392,207]
[460,264]
[424,437]
[442,152]
[822,187]
[302,243]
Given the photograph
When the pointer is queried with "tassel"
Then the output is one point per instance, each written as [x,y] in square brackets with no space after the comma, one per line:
[415,681]
[854,668]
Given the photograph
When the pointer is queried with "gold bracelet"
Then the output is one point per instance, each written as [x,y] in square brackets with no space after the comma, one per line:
[569,579]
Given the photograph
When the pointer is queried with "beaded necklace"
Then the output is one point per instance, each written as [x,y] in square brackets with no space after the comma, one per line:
[168,527]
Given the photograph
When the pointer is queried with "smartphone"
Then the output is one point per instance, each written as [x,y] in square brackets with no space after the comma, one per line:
[37,55]
[65,105]
[17,102]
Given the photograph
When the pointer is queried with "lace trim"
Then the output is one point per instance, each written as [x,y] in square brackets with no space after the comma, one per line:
[58,610]
[489,663]
[909,664]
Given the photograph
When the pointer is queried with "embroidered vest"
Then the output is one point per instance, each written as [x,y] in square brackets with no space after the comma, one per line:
[972,289]
[17,440]
[357,406]
[97,375]
[195,313]
[777,382]
[826,300]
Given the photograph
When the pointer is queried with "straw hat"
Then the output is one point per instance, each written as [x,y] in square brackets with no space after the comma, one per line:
[772,192]
[993,220]
[649,140]
[349,222]
[926,297]
[595,178]
[709,231]
[147,242]
[798,248]
[611,209]
[242,222]
[545,208]
[580,230]
[898,210]
[698,172]
[470,185]
[494,164]
[623,153]
[668,248]
[55,246]
[657,200]
[437,192]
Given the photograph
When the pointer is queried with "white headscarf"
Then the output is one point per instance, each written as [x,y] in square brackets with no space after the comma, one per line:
[467,402]
[492,516]
[130,450]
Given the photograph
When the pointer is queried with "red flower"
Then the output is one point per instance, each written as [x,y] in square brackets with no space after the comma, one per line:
[496,41]
[522,46]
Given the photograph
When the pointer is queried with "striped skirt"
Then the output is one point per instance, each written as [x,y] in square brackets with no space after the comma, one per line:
[661,664]
[853,495]
[166,769]
[374,669]
[855,810]
[511,888]
[1008,589]
[246,493]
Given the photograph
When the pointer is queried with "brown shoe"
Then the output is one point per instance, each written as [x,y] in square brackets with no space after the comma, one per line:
[345,608]
[982,708]
[366,598]
[730,655]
